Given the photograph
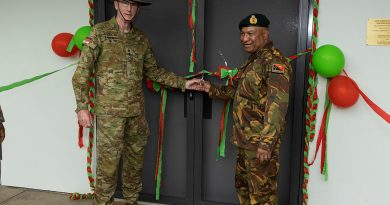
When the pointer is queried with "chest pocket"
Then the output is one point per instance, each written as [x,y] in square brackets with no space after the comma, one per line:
[134,62]
[113,49]
[253,85]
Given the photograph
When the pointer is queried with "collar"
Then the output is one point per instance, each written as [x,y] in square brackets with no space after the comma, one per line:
[266,47]
[115,25]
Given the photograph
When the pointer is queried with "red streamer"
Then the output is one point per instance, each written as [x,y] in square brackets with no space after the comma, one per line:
[370,103]
[81,144]
[321,140]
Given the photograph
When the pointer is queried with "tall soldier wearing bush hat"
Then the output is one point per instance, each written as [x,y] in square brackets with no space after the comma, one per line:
[260,100]
[120,55]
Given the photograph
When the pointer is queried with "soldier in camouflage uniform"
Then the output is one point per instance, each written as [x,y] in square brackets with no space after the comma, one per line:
[260,100]
[2,129]
[120,55]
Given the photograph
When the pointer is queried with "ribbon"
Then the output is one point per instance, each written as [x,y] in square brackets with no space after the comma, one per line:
[91,134]
[91,130]
[159,162]
[322,138]
[30,80]
[225,72]
[311,106]
[293,57]
[91,13]
[222,130]
[81,143]
[71,45]
[370,103]
[191,22]
[78,196]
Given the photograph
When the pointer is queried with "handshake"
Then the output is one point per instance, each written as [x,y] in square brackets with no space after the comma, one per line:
[198,84]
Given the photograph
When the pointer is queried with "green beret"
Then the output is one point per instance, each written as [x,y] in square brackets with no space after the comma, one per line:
[254,20]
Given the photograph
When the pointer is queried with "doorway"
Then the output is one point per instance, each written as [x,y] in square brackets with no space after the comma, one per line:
[191,173]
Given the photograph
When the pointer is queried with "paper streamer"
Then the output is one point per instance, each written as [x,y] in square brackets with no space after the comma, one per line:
[91,130]
[222,130]
[311,106]
[191,22]
[370,103]
[30,80]
[159,162]
[322,138]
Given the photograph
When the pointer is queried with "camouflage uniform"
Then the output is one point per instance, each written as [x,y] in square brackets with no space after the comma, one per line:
[260,101]
[120,61]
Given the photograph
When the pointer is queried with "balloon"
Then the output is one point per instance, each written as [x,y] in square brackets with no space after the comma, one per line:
[342,91]
[80,35]
[60,43]
[328,61]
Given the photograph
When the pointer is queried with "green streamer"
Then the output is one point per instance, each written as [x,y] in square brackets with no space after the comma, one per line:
[30,80]
[222,146]
[163,106]
[192,64]
[329,105]
[70,45]
[194,11]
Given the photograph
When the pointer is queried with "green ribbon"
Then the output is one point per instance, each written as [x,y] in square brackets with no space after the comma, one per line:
[163,107]
[329,105]
[30,80]
[225,72]
[70,45]
[222,145]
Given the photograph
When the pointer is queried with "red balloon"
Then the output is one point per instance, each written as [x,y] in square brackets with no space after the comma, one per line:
[342,91]
[60,43]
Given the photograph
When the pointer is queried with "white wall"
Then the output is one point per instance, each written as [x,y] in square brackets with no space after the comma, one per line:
[358,139]
[40,150]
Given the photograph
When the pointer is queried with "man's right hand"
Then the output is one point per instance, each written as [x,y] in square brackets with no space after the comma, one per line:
[2,132]
[85,118]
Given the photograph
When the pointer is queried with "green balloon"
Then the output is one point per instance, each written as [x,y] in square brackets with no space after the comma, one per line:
[328,61]
[80,35]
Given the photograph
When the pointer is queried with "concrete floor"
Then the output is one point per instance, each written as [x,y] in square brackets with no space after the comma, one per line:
[21,196]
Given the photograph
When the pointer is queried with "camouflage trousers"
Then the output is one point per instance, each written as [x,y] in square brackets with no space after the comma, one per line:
[119,137]
[256,183]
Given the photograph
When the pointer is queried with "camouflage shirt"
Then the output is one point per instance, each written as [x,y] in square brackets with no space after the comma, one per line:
[120,61]
[260,99]
[1,115]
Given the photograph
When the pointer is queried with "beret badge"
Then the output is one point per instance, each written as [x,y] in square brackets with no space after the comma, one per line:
[253,20]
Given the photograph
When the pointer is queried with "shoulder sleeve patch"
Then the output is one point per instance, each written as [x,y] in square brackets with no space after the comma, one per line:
[278,68]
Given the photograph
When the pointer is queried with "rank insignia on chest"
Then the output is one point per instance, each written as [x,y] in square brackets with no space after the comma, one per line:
[278,68]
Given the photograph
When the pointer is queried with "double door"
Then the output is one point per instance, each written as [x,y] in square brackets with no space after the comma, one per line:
[191,174]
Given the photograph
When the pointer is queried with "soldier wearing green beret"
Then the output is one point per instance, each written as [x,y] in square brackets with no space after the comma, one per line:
[260,101]
[120,55]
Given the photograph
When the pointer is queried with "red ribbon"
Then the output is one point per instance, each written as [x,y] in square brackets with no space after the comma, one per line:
[321,140]
[81,144]
[370,103]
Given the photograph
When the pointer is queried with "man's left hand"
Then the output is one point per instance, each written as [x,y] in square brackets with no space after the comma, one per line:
[263,154]
[2,132]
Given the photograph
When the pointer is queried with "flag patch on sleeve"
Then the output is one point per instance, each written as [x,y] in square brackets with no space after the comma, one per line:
[278,68]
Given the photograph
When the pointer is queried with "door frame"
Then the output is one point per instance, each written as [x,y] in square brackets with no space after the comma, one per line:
[195,108]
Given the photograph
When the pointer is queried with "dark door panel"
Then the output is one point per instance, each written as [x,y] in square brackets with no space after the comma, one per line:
[222,36]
